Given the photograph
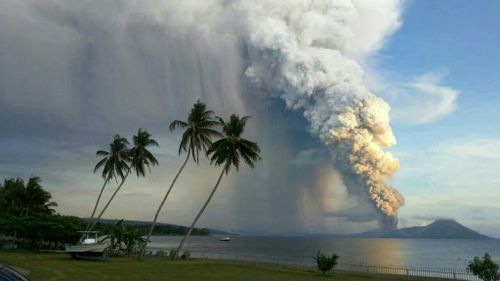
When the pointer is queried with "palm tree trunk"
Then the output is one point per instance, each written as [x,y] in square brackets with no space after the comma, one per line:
[199,214]
[109,201]
[143,248]
[96,204]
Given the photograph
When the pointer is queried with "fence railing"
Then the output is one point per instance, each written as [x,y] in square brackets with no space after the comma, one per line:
[308,264]
[411,272]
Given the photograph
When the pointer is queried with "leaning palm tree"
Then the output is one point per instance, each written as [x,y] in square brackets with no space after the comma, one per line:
[198,134]
[228,152]
[140,159]
[113,164]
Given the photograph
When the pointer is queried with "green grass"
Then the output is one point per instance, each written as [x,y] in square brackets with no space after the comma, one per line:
[49,266]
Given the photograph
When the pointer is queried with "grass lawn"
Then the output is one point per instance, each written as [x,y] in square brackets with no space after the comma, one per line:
[49,266]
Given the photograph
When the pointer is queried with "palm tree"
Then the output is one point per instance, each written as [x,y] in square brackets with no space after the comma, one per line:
[115,236]
[13,194]
[140,159]
[113,164]
[24,199]
[197,136]
[228,152]
[121,234]
[37,199]
[132,238]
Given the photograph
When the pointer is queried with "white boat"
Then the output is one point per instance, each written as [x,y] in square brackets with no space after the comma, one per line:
[89,247]
[225,239]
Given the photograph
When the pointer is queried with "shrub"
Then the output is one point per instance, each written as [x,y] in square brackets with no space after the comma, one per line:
[484,268]
[325,262]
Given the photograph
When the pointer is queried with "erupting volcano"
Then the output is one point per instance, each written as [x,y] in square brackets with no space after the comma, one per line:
[299,52]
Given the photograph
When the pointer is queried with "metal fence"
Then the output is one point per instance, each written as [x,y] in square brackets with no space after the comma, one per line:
[308,264]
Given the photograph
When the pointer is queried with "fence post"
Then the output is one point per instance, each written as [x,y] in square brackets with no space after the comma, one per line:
[454,276]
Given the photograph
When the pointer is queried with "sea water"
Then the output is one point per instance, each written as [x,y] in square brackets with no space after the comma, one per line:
[429,253]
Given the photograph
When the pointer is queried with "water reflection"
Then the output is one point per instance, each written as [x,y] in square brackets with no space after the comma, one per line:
[402,252]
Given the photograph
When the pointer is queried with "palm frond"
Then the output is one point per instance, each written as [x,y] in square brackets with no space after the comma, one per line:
[102,153]
[177,124]
[99,164]
[229,150]
[200,129]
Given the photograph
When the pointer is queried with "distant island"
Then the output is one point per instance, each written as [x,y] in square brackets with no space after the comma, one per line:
[439,229]
[161,229]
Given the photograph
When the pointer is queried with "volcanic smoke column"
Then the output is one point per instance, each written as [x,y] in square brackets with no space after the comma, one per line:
[298,50]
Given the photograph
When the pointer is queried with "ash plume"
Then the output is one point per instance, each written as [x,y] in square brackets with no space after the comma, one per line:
[299,52]
[112,66]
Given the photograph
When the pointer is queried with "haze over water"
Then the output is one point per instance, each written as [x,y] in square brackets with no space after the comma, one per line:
[430,253]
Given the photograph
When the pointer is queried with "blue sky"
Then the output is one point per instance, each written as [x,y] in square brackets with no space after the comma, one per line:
[455,157]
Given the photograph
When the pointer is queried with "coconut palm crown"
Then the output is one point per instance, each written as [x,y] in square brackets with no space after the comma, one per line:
[141,157]
[199,130]
[232,148]
[114,162]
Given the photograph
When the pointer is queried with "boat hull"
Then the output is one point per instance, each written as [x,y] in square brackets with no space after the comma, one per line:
[95,251]
[87,248]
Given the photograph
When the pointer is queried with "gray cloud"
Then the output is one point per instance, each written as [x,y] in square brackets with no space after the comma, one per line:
[73,73]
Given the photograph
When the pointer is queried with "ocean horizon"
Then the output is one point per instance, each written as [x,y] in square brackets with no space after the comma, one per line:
[428,253]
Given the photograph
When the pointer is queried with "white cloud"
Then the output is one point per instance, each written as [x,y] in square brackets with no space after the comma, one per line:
[423,100]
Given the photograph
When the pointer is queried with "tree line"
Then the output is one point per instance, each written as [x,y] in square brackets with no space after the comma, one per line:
[26,213]
[28,219]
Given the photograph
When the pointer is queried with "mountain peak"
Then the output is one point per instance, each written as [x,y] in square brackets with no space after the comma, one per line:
[438,229]
[449,229]
[448,221]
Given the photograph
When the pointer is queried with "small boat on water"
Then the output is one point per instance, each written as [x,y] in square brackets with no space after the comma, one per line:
[225,239]
[89,247]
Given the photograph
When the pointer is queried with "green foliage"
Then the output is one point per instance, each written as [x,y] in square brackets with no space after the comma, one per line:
[125,238]
[42,230]
[484,268]
[27,214]
[229,150]
[325,262]
[199,130]
[115,235]
[133,239]
[3,203]
[19,198]
[114,162]
[141,157]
